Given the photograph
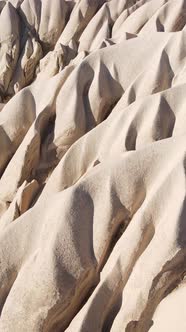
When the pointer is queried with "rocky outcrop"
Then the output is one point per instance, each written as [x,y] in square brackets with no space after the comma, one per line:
[92,165]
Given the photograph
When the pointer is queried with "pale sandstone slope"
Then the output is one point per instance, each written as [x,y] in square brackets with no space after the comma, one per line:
[92,165]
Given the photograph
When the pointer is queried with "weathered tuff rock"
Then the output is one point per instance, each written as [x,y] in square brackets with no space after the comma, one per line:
[92,165]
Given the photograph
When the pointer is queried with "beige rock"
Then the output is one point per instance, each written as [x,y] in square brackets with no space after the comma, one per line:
[92,165]
[21,203]
[47,19]
[9,41]
[26,65]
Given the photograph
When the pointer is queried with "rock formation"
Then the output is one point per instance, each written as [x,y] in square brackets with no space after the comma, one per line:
[92,165]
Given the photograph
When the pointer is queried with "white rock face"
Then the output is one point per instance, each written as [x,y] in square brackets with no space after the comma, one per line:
[92,165]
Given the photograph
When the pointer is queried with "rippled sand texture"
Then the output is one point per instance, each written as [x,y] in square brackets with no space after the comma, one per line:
[92,165]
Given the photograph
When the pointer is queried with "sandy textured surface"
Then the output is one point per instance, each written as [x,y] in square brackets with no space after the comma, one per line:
[92,165]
